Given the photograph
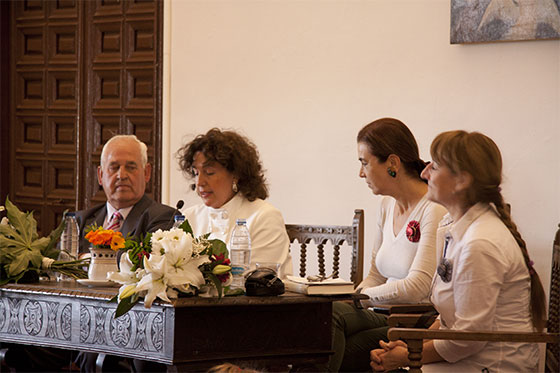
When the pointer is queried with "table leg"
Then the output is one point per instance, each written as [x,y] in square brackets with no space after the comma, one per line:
[99,363]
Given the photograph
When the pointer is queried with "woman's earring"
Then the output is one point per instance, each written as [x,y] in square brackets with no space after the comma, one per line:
[391,172]
[234,187]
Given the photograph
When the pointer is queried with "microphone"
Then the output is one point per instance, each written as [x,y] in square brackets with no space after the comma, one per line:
[179,205]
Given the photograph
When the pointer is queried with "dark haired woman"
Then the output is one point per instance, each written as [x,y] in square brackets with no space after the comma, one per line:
[228,176]
[403,260]
[485,279]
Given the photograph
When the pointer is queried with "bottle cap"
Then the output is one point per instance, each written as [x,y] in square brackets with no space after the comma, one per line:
[241,221]
[179,217]
[70,214]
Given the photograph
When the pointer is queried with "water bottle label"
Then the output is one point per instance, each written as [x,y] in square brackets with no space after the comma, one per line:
[237,270]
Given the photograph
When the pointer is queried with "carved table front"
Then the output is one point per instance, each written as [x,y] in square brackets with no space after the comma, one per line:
[190,332]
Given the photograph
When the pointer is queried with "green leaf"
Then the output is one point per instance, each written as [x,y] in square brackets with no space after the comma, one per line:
[125,305]
[36,259]
[219,247]
[187,227]
[217,283]
[22,222]
[40,245]
[10,237]
[20,263]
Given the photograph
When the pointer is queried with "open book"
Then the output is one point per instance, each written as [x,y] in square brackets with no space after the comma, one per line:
[325,287]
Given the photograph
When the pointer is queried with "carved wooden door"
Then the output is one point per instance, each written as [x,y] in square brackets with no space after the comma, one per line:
[81,71]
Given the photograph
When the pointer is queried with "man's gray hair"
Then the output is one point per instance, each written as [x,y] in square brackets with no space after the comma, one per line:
[143,147]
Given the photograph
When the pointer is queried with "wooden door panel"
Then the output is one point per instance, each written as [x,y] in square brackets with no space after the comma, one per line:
[63,44]
[139,88]
[29,134]
[62,89]
[63,135]
[106,88]
[28,180]
[63,9]
[81,72]
[29,88]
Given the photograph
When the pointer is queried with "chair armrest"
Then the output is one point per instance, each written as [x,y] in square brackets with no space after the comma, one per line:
[411,320]
[414,339]
[497,336]
[389,309]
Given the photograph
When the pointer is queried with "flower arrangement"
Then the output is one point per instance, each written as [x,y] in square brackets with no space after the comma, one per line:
[106,238]
[413,231]
[166,263]
[23,255]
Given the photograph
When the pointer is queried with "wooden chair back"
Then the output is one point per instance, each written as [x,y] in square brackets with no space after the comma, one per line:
[350,235]
[553,325]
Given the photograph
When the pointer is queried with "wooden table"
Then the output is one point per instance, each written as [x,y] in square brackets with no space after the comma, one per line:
[190,333]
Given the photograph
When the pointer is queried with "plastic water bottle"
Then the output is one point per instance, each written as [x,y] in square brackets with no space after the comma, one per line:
[240,253]
[179,219]
[69,242]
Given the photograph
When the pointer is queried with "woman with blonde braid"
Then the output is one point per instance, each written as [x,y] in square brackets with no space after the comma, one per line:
[485,279]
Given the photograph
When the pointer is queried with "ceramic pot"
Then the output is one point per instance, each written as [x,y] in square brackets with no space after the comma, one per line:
[103,260]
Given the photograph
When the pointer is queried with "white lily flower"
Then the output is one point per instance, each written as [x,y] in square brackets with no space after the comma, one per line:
[126,291]
[125,275]
[182,267]
[155,280]
[4,221]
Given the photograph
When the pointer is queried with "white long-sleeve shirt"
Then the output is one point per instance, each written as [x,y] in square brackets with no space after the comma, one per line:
[269,239]
[489,290]
[401,270]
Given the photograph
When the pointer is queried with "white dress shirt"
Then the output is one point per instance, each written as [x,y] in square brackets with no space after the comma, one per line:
[489,290]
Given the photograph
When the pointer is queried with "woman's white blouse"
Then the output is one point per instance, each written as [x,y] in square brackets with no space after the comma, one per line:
[401,270]
[489,290]
[269,240]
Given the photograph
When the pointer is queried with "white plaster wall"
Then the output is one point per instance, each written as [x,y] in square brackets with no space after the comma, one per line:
[300,78]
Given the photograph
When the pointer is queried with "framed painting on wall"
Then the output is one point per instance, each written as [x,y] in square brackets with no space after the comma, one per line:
[475,21]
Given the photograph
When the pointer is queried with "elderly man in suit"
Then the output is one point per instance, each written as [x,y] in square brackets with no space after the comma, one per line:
[123,174]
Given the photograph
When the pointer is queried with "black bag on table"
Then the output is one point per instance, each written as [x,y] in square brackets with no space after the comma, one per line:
[263,282]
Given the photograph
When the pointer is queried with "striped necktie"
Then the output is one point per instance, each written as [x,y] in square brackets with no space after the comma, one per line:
[115,222]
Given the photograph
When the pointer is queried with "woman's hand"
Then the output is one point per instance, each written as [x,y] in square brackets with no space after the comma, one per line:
[375,357]
[390,356]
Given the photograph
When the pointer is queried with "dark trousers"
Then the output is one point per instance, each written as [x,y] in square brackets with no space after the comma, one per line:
[355,333]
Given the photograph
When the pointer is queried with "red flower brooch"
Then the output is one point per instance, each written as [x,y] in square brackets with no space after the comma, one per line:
[413,231]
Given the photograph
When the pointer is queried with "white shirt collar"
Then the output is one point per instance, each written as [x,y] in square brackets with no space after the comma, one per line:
[111,210]
[231,205]
[457,229]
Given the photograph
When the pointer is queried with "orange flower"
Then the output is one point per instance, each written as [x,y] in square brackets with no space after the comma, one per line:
[105,237]
[117,242]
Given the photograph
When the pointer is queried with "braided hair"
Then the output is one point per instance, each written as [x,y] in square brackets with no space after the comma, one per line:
[463,151]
